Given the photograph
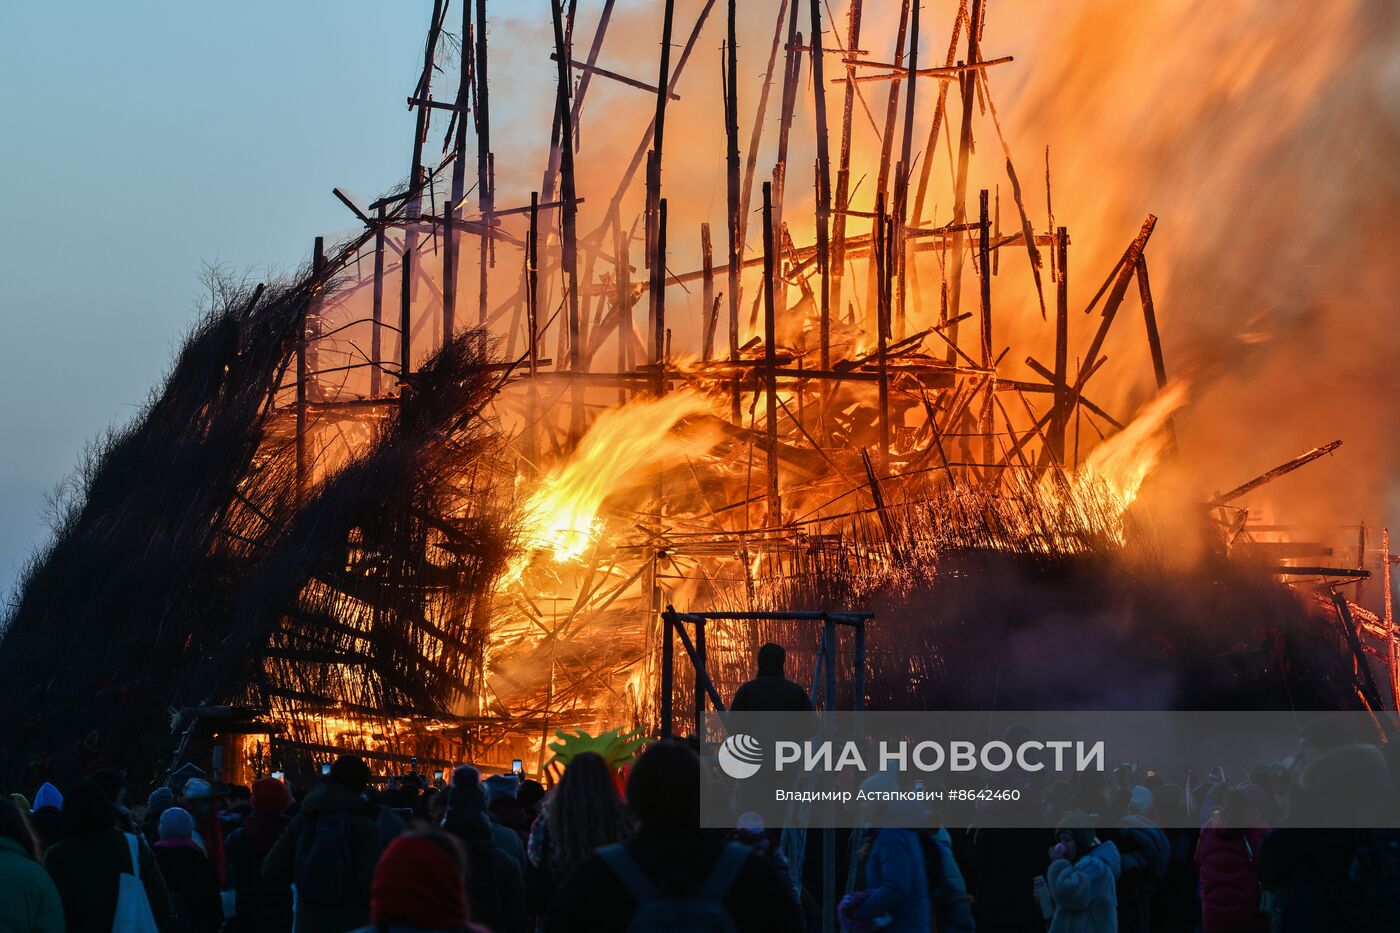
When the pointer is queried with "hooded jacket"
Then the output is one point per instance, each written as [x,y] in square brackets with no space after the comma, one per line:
[896,883]
[28,899]
[1227,860]
[362,832]
[1086,899]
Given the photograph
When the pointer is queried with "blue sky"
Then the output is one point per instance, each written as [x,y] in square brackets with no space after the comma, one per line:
[140,140]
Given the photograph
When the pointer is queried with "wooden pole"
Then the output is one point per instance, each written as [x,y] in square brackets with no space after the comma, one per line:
[406,317]
[667,675]
[791,70]
[416,183]
[450,245]
[707,294]
[843,172]
[736,233]
[882,189]
[303,338]
[882,317]
[968,82]
[757,135]
[1126,268]
[901,181]
[1391,635]
[569,221]
[770,355]
[659,301]
[656,261]
[1061,404]
[823,185]
[376,330]
[532,316]
[485,176]
[1154,339]
[700,683]
[623,298]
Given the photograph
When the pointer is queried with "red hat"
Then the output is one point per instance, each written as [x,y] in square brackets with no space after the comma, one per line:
[270,796]
[418,884]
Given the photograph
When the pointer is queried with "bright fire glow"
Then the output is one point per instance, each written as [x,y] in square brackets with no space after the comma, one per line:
[617,453]
[1123,461]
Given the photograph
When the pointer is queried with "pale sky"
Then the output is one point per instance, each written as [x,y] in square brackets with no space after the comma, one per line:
[140,140]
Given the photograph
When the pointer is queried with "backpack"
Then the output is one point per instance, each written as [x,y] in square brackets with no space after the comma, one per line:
[1372,888]
[133,913]
[704,912]
[323,863]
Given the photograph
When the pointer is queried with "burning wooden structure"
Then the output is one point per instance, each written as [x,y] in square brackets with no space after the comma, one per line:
[429,501]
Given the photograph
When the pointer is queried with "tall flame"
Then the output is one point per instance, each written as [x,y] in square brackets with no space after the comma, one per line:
[1123,462]
[616,454]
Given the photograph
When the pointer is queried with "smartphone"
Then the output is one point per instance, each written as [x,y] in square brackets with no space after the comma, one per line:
[517,766]
[437,775]
[279,776]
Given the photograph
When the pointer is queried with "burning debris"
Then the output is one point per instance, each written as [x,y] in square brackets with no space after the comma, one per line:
[429,501]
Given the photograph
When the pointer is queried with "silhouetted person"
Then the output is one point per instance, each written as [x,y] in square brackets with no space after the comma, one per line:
[329,851]
[86,864]
[672,871]
[771,691]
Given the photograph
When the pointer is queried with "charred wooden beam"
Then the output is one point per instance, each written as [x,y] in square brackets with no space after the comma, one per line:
[1281,470]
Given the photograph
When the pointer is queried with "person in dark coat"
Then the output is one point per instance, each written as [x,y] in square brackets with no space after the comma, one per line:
[674,854]
[159,800]
[1309,868]
[1227,859]
[47,815]
[1176,906]
[501,804]
[189,876]
[1146,854]
[495,882]
[198,800]
[334,808]
[771,691]
[1002,868]
[259,905]
[29,902]
[86,863]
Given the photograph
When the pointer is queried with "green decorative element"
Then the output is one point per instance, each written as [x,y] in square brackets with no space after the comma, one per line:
[616,747]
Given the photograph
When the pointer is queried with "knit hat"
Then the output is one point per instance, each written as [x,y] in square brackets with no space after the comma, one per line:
[176,823]
[417,884]
[48,796]
[198,789]
[466,792]
[270,796]
[1080,826]
[498,786]
[161,799]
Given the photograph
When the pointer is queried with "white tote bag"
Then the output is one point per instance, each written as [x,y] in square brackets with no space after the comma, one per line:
[133,909]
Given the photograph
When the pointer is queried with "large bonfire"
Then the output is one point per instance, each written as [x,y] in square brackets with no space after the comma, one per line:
[429,500]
